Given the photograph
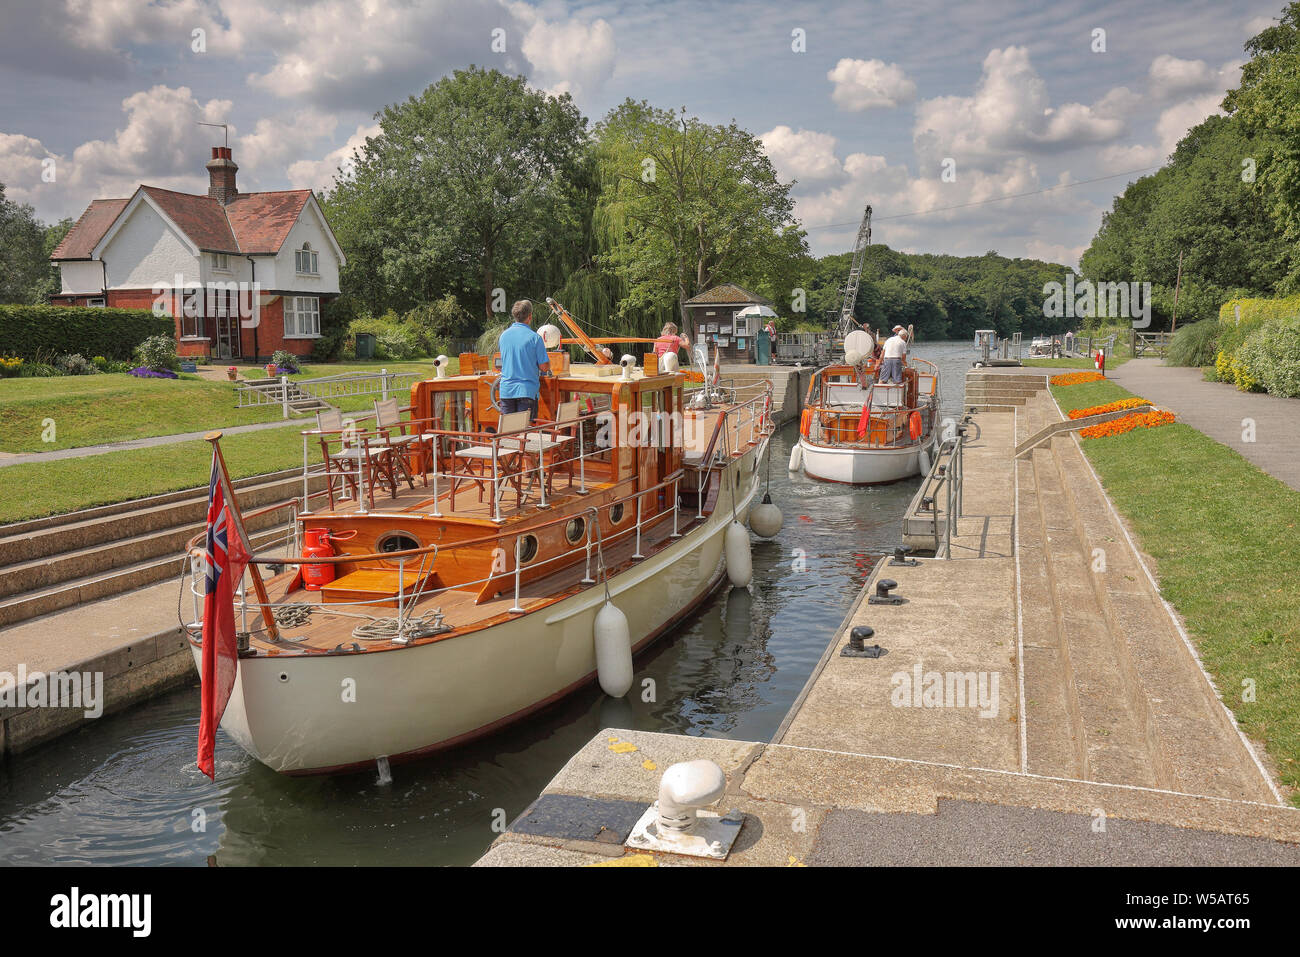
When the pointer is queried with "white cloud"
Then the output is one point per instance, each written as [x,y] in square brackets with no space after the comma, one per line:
[567,56]
[1172,76]
[160,145]
[275,142]
[803,155]
[1010,114]
[319,174]
[870,84]
[1118,159]
[1178,119]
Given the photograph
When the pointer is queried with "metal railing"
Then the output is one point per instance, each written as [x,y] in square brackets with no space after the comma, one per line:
[285,391]
[946,478]
[594,542]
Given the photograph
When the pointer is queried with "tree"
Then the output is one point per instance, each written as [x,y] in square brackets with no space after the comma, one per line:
[1268,101]
[463,188]
[27,277]
[685,205]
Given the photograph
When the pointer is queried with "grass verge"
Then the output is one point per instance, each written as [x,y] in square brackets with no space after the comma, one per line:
[1225,537]
[97,409]
[49,488]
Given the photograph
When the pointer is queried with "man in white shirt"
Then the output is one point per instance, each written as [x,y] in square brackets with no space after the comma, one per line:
[891,363]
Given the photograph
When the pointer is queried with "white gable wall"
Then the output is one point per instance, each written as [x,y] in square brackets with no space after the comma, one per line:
[146,252]
[308,229]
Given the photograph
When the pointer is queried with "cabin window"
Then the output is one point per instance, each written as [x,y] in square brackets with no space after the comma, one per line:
[307,260]
[574,531]
[616,513]
[527,549]
[301,317]
[453,411]
[397,542]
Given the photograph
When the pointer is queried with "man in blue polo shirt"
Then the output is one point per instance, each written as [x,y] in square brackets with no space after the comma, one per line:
[523,362]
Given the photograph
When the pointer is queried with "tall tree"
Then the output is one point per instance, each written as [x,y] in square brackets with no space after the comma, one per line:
[26,275]
[463,188]
[686,205]
[1268,101]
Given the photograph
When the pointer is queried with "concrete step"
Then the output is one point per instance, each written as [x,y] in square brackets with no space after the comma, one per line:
[94,586]
[29,541]
[1116,738]
[1201,747]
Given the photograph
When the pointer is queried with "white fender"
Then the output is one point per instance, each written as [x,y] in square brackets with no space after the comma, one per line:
[613,651]
[925,461]
[765,519]
[740,564]
[796,457]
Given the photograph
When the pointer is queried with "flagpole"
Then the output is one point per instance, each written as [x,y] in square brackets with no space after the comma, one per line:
[268,617]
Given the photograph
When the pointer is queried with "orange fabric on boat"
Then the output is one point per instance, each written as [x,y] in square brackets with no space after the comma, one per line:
[804,421]
[864,420]
[914,425]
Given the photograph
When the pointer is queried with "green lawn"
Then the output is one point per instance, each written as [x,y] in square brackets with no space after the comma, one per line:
[1225,537]
[49,488]
[316,370]
[96,409]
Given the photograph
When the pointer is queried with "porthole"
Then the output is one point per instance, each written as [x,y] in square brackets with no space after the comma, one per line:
[283,677]
[574,531]
[397,542]
[527,549]
[616,513]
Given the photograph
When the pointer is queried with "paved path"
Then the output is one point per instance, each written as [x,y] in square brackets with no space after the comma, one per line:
[7,458]
[1220,411]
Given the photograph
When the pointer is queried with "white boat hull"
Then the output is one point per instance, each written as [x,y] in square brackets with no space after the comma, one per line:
[294,714]
[861,466]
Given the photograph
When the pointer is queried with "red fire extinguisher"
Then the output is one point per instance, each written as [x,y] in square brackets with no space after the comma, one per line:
[318,546]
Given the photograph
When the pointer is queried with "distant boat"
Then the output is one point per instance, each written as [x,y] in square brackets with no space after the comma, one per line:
[986,335]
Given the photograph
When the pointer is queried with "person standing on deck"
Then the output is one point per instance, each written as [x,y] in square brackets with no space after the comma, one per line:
[523,362]
[891,365]
[670,341]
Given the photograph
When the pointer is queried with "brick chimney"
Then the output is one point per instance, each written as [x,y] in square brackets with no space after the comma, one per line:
[221,175]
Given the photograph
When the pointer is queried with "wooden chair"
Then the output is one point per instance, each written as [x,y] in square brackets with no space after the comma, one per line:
[355,458]
[553,447]
[509,459]
[392,435]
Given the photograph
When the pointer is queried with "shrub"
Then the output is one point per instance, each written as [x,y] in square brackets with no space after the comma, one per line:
[434,323]
[10,367]
[76,364]
[1238,319]
[37,370]
[1270,357]
[1196,344]
[487,342]
[336,316]
[396,343]
[157,353]
[30,331]
[285,361]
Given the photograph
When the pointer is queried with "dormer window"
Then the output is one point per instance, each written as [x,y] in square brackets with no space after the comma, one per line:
[221,261]
[306,260]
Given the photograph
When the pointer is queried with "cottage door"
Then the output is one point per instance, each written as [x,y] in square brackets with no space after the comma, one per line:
[227,327]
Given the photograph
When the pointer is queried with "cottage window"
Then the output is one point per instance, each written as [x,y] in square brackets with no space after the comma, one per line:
[301,317]
[307,260]
[95,303]
[192,327]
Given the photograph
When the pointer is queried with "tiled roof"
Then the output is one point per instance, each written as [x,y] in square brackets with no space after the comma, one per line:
[251,223]
[262,221]
[201,218]
[81,239]
[727,294]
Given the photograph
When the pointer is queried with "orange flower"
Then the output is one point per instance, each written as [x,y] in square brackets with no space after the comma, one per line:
[1138,420]
[1108,407]
[1076,378]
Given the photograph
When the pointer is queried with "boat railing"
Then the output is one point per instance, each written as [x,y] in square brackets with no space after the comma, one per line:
[751,423]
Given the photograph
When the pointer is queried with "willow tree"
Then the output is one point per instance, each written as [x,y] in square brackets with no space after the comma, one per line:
[465,186]
[685,205]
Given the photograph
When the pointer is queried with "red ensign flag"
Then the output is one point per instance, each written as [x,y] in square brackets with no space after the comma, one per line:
[226,559]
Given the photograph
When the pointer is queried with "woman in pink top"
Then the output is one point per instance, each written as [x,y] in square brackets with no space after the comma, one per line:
[670,341]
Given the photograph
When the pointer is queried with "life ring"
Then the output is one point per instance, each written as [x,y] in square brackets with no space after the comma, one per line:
[914,425]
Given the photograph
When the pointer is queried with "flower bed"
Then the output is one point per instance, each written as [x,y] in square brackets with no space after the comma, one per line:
[1108,407]
[144,372]
[1076,378]
[1138,420]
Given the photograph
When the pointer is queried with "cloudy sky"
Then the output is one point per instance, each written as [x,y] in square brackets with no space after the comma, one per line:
[858,101]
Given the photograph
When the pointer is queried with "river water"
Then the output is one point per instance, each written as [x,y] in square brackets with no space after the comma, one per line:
[125,790]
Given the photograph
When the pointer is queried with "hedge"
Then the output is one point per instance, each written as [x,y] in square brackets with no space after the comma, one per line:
[39,332]
[1234,332]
